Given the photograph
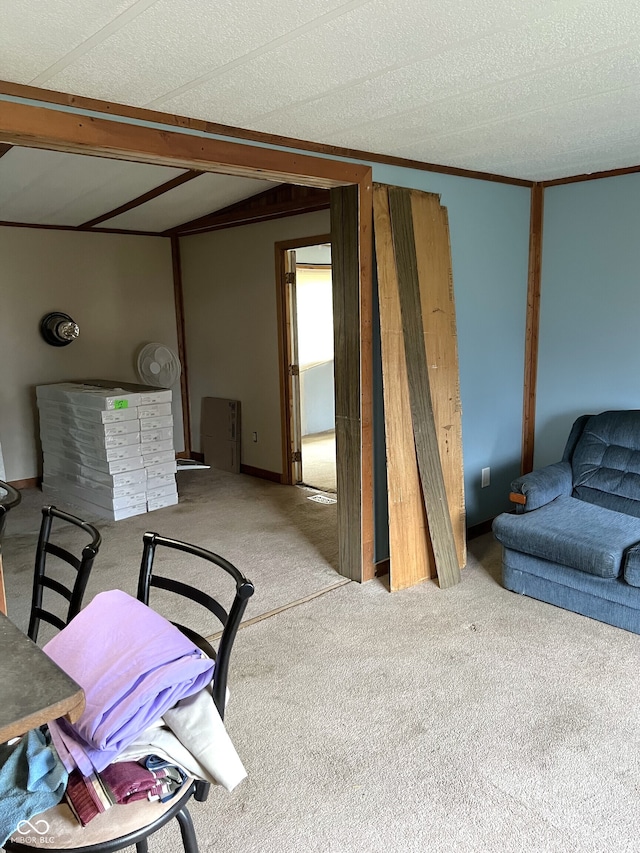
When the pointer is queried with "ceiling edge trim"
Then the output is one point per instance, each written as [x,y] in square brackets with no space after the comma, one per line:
[592,176]
[80,230]
[21,90]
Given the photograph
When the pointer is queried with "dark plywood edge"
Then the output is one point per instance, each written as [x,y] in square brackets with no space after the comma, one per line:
[166,187]
[532,328]
[261,473]
[366,254]
[178,296]
[142,114]
[4,149]
[346,313]
[426,441]
[382,568]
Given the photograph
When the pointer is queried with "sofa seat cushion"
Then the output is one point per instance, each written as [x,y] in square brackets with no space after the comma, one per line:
[573,533]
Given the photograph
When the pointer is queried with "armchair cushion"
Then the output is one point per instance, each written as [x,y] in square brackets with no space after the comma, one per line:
[573,533]
[606,462]
[544,485]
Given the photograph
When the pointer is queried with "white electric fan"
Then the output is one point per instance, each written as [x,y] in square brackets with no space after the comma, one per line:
[158,365]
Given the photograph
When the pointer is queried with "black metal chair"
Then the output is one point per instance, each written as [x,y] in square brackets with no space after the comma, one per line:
[131,825]
[41,580]
[11,497]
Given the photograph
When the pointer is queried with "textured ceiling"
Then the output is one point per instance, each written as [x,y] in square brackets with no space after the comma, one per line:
[534,89]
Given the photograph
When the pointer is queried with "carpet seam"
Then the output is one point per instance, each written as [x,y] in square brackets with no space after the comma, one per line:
[271,613]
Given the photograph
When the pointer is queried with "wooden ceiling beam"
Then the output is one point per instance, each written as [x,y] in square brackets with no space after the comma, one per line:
[142,199]
[280,201]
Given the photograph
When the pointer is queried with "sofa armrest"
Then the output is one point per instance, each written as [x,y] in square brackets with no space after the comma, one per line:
[542,486]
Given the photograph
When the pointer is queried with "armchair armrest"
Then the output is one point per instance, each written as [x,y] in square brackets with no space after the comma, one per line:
[542,486]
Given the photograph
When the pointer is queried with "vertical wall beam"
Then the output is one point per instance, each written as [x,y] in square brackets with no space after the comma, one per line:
[182,346]
[532,328]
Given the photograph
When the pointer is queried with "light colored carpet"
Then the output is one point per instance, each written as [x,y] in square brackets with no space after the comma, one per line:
[284,543]
[469,720]
[319,460]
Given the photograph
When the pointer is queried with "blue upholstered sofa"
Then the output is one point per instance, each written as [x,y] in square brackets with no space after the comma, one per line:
[574,540]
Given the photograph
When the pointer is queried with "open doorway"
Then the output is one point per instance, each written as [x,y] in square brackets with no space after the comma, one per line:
[307,338]
[312,350]
[30,124]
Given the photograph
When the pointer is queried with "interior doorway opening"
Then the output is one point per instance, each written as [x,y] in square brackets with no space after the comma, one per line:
[315,346]
[309,435]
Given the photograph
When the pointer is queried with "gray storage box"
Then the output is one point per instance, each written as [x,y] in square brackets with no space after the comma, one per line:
[220,433]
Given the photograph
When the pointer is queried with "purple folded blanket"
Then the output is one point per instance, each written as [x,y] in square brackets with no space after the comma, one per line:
[133,665]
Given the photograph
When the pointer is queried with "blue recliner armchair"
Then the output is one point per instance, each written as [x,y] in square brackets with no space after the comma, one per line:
[574,540]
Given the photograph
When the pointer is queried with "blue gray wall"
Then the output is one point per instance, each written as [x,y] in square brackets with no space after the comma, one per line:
[589,352]
[489,227]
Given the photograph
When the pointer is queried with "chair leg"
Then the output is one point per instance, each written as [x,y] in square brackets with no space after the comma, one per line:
[187,831]
[142,847]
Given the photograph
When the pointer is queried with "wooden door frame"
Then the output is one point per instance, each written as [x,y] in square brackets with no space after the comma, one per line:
[284,320]
[37,126]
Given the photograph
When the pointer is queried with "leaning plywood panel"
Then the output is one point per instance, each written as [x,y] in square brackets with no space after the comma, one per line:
[411,558]
[424,428]
[433,253]
[346,311]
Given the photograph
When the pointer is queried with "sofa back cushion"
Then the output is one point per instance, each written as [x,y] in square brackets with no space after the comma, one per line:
[606,462]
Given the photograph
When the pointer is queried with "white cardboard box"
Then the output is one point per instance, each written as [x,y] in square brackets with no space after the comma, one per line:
[162,491]
[88,396]
[160,422]
[151,398]
[104,490]
[158,457]
[86,507]
[114,447]
[156,411]
[159,503]
[92,438]
[94,459]
[151,435]
[59,465]
[91,495]
[113,466]
[65,421]
[168,467]
[161,480]
[97,416]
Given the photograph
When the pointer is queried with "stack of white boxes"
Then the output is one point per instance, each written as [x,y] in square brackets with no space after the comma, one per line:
[108,451]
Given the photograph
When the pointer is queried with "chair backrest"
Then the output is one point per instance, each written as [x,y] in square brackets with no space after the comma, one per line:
[229,620]
[82,564]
